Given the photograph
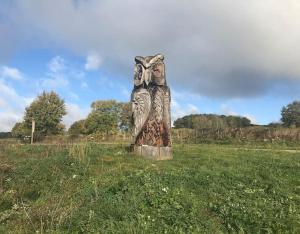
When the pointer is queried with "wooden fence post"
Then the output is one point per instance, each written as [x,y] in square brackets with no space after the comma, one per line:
[32,130]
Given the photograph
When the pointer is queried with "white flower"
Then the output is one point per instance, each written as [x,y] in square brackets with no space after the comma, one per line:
[74,176]
[165,189]
[8,179]
[15,207]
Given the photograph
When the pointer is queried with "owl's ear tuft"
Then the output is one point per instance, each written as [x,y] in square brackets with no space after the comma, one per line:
[160,56]
[139,59]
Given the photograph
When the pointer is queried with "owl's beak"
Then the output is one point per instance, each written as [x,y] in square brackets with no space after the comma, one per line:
[147,76]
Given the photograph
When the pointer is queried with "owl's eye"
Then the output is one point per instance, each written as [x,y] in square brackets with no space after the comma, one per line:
[157,70]
[139,71]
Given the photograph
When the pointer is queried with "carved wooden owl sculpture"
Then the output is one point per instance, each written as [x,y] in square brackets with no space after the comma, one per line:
[151,102]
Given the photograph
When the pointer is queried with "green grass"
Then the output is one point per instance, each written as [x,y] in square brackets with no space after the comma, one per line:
[93,188]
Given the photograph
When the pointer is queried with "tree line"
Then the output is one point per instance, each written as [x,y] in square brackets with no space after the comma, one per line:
[110,116]
[48,110]
[201,121]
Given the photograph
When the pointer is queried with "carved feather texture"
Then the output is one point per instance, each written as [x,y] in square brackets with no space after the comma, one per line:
[141,105]
[158,104]
[167,102]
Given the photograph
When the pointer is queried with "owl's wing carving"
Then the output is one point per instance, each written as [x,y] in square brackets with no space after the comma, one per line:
[158,104]
[141,105]
[167,110]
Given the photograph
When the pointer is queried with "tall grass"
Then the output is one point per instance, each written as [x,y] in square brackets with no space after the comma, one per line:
[80,152]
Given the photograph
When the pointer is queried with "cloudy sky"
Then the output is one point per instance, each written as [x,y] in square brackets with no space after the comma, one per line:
[222,56]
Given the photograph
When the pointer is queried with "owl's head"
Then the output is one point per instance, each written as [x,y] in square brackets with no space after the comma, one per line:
[149,69]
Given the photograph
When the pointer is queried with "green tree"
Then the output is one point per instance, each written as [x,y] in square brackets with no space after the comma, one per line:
[20,130]
[290,114]
[47,110]
[201,121]
[5,135]
[108,116]
[103,117]
[77,128]
[125,116]
[101,122]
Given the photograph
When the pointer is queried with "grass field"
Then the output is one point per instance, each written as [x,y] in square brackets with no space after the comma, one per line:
[93,188]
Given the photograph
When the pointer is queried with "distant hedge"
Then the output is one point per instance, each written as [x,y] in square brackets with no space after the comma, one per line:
[4,135]
[256,133]
[201,121]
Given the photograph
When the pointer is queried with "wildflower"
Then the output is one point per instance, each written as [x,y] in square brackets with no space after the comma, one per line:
[165,189]
[15,207]
[91,214]
[8,179]
[249,190]
[74,176]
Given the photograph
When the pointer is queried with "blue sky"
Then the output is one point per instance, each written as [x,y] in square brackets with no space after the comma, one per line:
[221,57]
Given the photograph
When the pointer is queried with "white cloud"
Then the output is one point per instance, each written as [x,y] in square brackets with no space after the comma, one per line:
[251,118]
[192,109]
[57,75]
[56,64]
[105,81]
[12,107]
[61,73]
[75,73]
[84,85]
[73,95]
[74,113]
[10,73]
[8,93]
[180,110]
[125,91]
[8,120]
[2,103]
[93,61]
[181,104]
[55,80]
[226,110]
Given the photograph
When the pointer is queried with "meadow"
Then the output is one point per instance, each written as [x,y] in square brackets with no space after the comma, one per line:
[99,188]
